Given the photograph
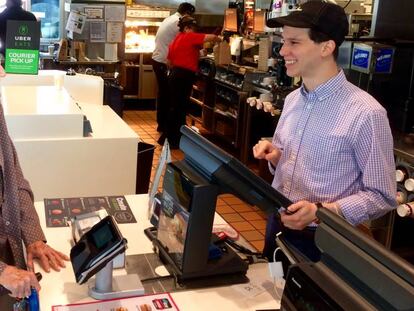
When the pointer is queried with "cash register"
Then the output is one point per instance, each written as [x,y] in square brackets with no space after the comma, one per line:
[355,273]
[184,239]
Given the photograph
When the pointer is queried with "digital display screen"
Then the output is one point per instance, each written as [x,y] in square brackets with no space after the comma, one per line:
[230,20]
[102,237]
[259,21]
[93,245]
[175,213]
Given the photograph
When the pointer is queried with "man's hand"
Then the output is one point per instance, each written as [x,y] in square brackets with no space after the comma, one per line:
[18,282]
[299,215]
[265,150]
[47,256]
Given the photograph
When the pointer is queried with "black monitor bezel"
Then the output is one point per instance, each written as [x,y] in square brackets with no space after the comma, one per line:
[211,161]
[380,276]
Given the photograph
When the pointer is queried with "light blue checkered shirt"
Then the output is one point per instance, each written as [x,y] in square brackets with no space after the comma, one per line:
[336,146]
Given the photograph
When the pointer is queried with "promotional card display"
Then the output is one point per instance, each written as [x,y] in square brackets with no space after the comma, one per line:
[58,211]
[141,303]
[22,47]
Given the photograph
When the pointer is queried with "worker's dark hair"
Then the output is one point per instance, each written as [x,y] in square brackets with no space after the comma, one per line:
[186,21]
[186,8]
[11,3]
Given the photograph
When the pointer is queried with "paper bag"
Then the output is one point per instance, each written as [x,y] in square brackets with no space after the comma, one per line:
[222,54]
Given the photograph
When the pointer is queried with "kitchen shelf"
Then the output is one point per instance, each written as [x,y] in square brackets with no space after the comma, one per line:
[225,114]
[196,101]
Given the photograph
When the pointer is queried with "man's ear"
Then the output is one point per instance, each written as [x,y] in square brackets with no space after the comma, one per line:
[328,47]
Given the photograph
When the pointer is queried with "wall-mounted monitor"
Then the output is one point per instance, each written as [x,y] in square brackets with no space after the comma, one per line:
[230,20]
[259,21]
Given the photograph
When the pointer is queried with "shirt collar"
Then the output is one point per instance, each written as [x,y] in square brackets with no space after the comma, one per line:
[327,88]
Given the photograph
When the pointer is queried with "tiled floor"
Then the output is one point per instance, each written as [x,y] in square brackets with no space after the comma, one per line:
[247,219]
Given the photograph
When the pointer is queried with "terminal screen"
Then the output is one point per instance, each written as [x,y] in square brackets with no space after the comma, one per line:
[175,213]
[102,237]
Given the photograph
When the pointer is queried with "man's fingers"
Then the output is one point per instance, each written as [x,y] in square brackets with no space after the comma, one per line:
[30,265]
[47,256]
[34,282]
[44,262]
[54,262]
[27,289]
[56,259]
[19,291]
[19,282]
[63,256]
[60,259]
[22,287]
[262,148]
[301,215]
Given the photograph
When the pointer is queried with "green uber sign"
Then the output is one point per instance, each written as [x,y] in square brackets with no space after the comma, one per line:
[22,47]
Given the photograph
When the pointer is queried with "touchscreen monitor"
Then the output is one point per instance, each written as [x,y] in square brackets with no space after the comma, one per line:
[175,213]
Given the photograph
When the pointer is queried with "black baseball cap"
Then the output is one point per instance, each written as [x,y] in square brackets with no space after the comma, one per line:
[325,17]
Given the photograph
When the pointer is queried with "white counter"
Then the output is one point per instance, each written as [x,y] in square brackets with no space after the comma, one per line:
[46,126]
[82,88]
[103,164]
[61,288]
[40,112]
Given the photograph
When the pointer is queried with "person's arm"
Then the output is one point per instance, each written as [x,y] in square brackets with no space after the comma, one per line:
[29,220]
[211,38]
[374,155]
[31,231]
[30,225]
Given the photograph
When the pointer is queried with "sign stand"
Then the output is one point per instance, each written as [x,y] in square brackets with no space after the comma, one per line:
[22,47]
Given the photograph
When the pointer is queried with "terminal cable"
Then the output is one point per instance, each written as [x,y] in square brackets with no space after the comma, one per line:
[347,4]
[158,278]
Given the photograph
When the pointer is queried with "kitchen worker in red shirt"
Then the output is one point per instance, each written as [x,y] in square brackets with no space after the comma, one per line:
[183,56]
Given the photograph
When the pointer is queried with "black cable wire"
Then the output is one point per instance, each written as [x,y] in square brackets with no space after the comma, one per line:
[157,278]
[241,248]
[347,4]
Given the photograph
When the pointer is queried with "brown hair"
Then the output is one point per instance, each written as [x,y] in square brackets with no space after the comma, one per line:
[320,37]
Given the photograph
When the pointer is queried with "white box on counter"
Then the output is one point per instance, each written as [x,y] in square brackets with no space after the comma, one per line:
[33,112]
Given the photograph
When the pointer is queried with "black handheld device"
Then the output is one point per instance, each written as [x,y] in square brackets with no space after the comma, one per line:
[102,243]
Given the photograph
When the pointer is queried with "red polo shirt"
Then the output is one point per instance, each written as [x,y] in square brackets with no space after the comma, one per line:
[184,51]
